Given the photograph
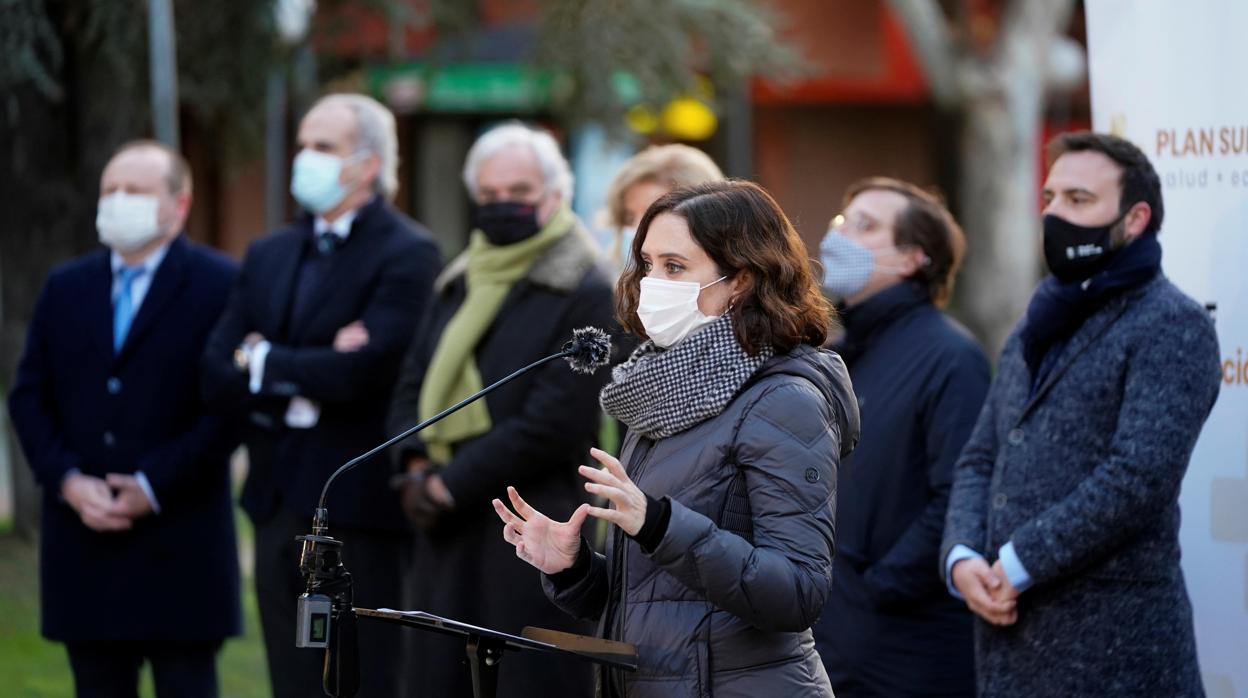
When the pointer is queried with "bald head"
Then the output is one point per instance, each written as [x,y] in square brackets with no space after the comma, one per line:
[157,159]
[149,168]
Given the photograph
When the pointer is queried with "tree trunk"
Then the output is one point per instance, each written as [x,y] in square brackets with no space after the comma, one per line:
[1003,114]
[998,212]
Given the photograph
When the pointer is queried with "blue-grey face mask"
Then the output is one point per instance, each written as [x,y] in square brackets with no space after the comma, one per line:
[847,265]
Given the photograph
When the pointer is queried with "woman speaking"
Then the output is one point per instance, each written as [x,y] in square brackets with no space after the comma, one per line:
[721,554]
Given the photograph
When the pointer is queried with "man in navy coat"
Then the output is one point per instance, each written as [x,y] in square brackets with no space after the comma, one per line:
[1063,527]
[137,558]
[889,628]
[307,352]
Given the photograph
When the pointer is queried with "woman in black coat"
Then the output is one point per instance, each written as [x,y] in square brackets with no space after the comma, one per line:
[720,557]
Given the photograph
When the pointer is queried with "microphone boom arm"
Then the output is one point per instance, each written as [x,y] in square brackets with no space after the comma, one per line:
[320,518]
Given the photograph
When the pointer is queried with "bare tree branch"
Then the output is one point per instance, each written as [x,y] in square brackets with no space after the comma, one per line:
[929,35]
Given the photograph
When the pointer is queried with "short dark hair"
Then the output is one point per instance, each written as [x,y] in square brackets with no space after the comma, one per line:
[741,228]
[1138,182]
[926,223]
[179,175]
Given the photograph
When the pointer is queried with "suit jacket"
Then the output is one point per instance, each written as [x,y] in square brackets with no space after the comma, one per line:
[382,274]
[1083,476]
[75,405]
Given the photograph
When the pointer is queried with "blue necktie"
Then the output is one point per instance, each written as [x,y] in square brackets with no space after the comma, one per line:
[123,304]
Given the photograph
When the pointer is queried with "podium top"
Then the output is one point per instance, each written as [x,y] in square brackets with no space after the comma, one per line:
[609,652]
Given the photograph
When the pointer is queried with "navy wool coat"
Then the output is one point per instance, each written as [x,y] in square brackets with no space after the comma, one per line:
[174,576]
[890,627]
[383,275]
[1083,476]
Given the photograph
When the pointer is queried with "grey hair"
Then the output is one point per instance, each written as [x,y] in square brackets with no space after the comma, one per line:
[554,167]
[374,133]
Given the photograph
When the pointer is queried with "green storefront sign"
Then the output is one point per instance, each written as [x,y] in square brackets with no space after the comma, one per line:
[460,88]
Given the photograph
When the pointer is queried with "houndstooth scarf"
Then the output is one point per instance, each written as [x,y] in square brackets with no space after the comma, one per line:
[660,392]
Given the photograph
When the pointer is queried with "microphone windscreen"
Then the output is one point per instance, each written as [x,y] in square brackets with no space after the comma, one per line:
[589,350]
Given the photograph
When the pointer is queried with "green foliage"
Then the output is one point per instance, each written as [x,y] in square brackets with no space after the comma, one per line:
[29,50]
[225,51]
[663,43]
[225,55]
[228,48]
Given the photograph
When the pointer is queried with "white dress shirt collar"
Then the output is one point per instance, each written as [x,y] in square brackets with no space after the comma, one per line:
[341,226]
[150,264]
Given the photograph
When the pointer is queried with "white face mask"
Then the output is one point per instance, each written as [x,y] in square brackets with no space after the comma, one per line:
[668,310]
[127,222]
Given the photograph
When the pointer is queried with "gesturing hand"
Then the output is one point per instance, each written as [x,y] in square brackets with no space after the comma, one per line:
[628,502]
[980,586]
[548,545]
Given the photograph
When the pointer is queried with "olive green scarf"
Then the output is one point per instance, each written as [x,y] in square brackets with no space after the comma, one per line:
[453,374]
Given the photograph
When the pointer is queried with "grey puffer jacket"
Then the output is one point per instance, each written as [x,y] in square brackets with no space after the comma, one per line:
[723,605]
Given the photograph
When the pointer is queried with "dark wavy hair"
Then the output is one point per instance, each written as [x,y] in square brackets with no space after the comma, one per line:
[742,229]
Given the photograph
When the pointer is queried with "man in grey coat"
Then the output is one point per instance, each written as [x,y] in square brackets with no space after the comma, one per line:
[1070,480]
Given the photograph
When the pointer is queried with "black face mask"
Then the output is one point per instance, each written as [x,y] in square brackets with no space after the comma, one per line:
[1075,252]
[506,222]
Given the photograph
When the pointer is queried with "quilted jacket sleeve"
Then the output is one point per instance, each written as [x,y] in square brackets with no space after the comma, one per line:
[789,445]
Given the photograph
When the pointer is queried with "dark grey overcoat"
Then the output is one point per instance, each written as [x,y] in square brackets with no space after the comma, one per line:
[1083,476]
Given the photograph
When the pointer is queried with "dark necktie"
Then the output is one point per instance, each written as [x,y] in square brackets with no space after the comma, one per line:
[312,269]
[327,242]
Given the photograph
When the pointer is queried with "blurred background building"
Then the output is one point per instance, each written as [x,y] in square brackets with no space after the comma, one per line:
[804,96]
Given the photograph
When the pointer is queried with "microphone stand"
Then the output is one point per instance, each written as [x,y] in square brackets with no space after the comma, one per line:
[320,560]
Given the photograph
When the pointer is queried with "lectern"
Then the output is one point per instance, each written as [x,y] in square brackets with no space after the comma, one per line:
[485,647]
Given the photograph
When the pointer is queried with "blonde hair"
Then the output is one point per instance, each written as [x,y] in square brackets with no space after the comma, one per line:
[673,166]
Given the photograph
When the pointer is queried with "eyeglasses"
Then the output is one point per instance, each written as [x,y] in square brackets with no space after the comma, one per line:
[859,224]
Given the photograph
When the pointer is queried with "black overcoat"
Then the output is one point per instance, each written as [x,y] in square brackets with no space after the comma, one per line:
[543,427]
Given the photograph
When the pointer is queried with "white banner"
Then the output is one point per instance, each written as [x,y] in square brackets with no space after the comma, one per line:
[1170,76]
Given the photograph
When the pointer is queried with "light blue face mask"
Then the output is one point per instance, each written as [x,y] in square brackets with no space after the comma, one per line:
[847,265]
[314,180]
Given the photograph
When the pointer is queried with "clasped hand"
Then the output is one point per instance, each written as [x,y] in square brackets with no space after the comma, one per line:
[111,503]
[551,546]
[987,590]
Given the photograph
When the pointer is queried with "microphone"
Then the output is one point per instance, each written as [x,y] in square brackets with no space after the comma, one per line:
[324,616]
[587,351]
